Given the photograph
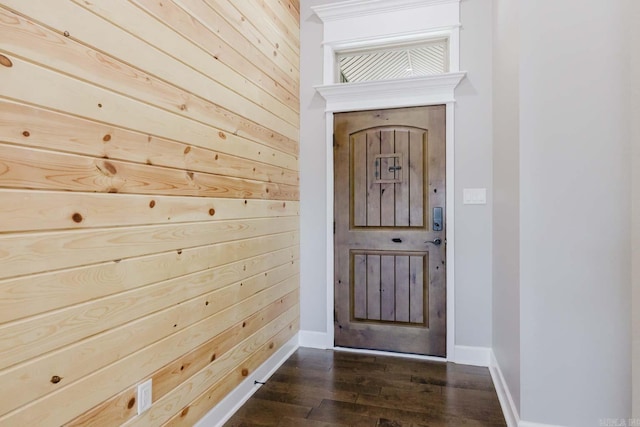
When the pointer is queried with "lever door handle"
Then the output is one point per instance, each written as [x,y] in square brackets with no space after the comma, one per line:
[436,242]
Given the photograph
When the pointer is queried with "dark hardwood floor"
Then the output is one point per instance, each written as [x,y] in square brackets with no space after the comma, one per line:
[334,389]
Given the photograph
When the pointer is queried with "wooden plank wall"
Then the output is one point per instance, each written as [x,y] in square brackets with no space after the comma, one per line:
[148,204]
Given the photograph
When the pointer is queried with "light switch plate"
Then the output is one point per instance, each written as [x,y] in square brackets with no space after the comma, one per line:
[474,196]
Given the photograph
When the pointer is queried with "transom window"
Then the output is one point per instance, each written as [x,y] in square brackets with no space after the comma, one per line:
[394,62]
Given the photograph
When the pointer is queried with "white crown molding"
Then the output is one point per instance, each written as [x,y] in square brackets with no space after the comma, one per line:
[430,90]
[353,8]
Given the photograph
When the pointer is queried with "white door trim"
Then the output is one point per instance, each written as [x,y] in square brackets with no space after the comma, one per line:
[370,23]
[433,90]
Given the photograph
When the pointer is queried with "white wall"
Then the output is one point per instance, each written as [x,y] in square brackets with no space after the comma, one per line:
[473,169]
[313,176]
[575,213]
[565,348]
[506,189]
[633,17]
[473,153]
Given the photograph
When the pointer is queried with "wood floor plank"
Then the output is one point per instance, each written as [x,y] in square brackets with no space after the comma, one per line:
[330,410]
[351,389]
[349,413]
[322,379]
[416,366]
[264,412]
[300,394]
[296,422]
[384,379]
[319,365]
[449,381]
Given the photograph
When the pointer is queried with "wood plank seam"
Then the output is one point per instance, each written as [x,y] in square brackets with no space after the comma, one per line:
[49,170]
[27,125]
[22,253]
[62,288]
[32,337]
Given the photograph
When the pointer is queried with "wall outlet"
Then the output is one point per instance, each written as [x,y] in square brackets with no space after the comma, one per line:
[144,396]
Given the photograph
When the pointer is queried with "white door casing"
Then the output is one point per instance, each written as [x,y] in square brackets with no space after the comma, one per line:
[356,24]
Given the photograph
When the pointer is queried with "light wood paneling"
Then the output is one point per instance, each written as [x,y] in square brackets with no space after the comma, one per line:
[214,19]
[198,407]
[29,338]
[285,24]
[25,39]
[116,410]
[70,401]
[50,210]
[38,293]
[235,360]
[38,252]
[37,128]
[234,14]
[274,33]
[45,170]
[208,40]
[89,28]
[281,6]
[149,183]
[36,374]
[86,100]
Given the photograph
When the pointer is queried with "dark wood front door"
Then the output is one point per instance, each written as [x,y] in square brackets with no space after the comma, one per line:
[390,291]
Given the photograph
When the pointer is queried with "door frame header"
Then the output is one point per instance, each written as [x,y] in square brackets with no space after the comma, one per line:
[359,24]
[411,92]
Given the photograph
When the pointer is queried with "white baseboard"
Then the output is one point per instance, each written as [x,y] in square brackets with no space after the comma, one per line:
[391,354]
[528,424]
[476,356]
[313,339]
[504,395]
[506,400]
[234,400]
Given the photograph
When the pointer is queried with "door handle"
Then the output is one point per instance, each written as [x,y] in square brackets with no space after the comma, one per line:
[396,240]
[436,242]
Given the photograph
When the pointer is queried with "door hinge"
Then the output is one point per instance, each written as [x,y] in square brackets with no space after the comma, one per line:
[334,227]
